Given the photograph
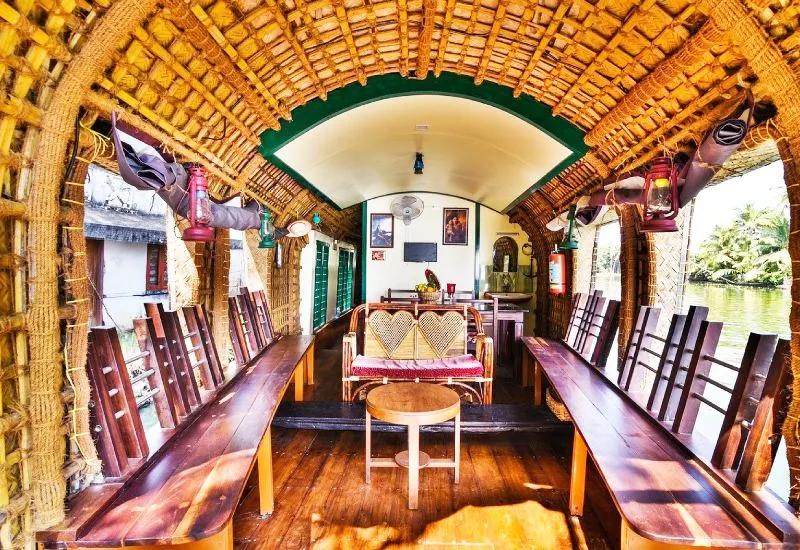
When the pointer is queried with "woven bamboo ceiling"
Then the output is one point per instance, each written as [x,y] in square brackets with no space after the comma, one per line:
[210,77]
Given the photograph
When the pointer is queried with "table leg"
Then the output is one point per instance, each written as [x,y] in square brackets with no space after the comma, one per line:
[577,483]
[298,381]
[537,383]
[265,491]
[457,459]
[368,456]
[516,357]
[413,466]
[310,365]
[526,367]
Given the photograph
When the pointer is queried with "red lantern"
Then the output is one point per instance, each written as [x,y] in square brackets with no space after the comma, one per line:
[558,274]
[661,197]
[199,207]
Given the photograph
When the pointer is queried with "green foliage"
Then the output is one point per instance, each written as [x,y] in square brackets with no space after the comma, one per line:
[751,250]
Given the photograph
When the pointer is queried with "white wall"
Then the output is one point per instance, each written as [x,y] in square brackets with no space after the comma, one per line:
[124,278]
[455,263]
[106,188]
[307,264]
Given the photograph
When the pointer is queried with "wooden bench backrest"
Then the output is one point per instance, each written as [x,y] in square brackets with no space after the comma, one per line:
[416,331]
[749,435]
[592,325]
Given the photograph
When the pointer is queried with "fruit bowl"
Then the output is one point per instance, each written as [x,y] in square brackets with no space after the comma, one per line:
[429,296]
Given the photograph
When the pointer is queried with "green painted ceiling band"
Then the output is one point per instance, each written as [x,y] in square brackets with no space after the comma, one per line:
[530,110]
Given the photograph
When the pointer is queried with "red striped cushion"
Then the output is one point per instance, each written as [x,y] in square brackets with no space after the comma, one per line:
[460,366]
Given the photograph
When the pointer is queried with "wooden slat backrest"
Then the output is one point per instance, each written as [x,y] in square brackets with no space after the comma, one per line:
[643,327]
[683,355]
[238,340]
[248,326]
[578,307]
[603,316]
[210,376]
[745,395]
[253,319]
[696,378]
[166,410]
[262,307]
[175,347]
[180,401]
[122,437]
[605,336]
[593,307]
[207,337]
[764,436]
[665,366]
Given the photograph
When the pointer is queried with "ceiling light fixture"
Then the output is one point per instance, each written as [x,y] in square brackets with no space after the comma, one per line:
[419,166]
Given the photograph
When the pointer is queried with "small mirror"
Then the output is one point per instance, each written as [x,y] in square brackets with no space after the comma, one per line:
[504,255]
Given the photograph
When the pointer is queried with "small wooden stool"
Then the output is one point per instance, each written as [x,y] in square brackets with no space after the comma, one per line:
[413,405]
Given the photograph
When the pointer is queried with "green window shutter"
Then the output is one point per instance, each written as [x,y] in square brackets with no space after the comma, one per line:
[321,285]
[344,283]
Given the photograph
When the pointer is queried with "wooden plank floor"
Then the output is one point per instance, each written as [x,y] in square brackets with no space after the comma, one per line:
[513,494]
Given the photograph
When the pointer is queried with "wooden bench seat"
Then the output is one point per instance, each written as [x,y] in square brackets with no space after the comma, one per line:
[189,489]
[665,495]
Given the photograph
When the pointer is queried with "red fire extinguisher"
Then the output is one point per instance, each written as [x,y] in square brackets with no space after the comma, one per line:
[558,274]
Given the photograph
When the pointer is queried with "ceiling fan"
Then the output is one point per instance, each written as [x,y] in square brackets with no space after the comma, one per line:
[407,207]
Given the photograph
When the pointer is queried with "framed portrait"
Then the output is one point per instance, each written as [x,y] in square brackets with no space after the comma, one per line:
[381,231]
[378,255]
[456,228]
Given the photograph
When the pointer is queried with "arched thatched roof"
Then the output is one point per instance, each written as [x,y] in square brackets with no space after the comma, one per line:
[634,76]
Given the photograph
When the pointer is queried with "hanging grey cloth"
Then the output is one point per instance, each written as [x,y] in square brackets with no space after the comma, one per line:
[169,180]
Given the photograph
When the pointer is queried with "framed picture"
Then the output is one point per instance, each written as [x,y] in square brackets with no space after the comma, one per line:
[455,226]
[381,231]
[378,255]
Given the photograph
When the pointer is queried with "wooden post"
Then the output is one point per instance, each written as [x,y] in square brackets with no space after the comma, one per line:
[413,466]
[309,359]
[298,380]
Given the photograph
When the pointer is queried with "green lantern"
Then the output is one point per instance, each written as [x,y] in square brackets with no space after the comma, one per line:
[569,242]
[267,230]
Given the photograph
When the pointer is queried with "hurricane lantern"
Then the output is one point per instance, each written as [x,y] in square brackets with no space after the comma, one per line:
[569,242]
[660,197]
[267,230]
[199,207]
[419,166]
[316,219]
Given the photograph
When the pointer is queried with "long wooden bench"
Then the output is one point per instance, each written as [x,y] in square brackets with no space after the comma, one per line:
[179,483]
[667,495]
[190,488]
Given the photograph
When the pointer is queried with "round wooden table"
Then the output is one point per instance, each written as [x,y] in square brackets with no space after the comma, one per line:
[413,404]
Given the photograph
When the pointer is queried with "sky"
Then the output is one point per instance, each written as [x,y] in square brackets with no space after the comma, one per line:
[717,205]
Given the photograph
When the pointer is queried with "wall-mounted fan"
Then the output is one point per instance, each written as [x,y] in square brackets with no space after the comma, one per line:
[407,207]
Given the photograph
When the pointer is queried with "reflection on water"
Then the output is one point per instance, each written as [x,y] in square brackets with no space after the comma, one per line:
[743,310]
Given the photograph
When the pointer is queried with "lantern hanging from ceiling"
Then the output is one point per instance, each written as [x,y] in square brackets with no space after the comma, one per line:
[267,230]
[419,165]
[199,207]
[569,242]
[661,197]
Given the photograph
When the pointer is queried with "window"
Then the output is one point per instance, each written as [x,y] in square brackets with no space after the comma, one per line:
[344,282]
[156,280]
[321,285]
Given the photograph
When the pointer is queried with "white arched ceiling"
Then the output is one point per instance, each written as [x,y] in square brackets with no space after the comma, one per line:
[471,149]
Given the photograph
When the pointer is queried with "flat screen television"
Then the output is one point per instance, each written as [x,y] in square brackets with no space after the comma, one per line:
[419,252]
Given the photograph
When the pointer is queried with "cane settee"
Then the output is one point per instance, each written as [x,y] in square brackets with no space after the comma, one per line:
[417,342]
